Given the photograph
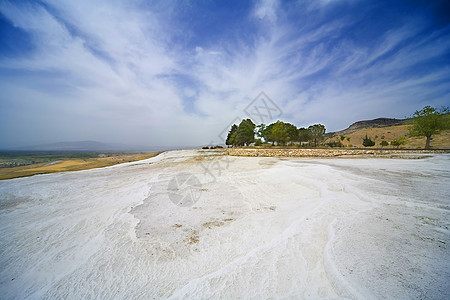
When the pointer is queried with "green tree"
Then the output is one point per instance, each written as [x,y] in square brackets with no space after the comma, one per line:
[279,133]
[399,142]
[384,144]
[304,135]
[231,135]
[245,133]
[317,133]
[367,142]
[260,130]
[429,121]
[292,132]
[267,133]
[342,137]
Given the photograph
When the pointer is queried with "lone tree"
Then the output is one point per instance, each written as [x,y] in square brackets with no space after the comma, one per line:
[429,121]
[317,132]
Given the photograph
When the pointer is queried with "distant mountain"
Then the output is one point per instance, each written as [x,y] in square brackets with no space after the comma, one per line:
[81,146]
[94,146]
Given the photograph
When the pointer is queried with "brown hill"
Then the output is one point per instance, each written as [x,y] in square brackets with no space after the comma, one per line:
[385,129]
[380,122]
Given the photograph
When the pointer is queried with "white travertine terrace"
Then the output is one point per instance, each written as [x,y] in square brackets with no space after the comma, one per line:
[262,228]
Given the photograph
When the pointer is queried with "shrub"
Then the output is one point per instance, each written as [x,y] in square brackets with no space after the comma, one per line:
[367,142]
[399,142]
[335,144]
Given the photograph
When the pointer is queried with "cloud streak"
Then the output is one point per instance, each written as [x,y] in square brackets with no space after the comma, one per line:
[156,74]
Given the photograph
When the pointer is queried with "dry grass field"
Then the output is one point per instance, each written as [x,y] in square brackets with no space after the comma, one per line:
[72,165]
[389,133]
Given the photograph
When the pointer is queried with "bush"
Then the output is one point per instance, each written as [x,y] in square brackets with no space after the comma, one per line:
[335,144]
[399,142]
[384,144]
[258,142]
[367,142]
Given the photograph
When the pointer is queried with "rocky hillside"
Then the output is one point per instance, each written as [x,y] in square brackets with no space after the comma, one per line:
[380,122]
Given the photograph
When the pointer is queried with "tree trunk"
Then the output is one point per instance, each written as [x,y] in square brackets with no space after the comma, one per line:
[427,144]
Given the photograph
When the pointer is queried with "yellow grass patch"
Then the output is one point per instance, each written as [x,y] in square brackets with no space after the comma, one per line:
[72,165]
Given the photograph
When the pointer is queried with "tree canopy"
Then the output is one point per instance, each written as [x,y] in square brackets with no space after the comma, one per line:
[267,133]
[242,135]
[304,135]
[317,132]
[279,132]
[429,121]
[292,131]
[231,135]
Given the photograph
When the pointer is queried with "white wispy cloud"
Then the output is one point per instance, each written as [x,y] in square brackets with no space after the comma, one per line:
[114,71]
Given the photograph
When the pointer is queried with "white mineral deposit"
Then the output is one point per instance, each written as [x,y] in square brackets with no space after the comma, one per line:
[201,225]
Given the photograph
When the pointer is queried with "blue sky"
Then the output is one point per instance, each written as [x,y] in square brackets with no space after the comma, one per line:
[171,73]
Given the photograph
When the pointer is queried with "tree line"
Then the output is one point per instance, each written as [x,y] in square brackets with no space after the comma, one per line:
[279,132]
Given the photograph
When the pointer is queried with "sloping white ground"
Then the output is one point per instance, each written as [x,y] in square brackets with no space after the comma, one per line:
[261,228]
